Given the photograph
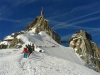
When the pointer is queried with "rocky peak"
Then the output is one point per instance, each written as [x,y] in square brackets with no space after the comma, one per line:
[89,51]
[38,25]
[41,24]
[84,34]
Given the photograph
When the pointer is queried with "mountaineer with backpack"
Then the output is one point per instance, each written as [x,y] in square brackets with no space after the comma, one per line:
[25,51]
[33,47]
[29,50]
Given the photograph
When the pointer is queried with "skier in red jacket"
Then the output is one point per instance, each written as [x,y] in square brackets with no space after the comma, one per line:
[25,51]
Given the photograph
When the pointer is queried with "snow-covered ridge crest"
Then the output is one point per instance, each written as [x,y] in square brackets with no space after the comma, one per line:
[19,39]
[38,25]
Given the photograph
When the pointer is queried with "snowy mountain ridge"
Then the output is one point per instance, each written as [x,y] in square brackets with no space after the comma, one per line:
[54,60]
[36,26]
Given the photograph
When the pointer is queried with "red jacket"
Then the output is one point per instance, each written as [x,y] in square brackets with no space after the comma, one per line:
[25,50]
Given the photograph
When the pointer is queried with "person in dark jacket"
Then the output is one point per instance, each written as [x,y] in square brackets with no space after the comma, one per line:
[25,52]
[32,47]
[29,50]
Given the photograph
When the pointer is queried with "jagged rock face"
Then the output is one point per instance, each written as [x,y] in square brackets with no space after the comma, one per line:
[41,24]
[16,43]
[82,43]
[11,41]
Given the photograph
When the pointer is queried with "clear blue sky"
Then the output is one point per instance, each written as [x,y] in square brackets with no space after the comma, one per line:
[65,16]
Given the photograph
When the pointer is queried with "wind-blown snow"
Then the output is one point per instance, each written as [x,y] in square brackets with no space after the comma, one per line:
[54,60]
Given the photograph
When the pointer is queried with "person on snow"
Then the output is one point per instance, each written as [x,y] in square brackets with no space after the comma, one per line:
[32,47]
[29,50]
[25,52]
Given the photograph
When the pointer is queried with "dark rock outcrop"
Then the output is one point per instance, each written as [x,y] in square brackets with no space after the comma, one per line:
[16,43]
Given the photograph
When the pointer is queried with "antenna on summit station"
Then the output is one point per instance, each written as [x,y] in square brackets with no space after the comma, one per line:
[42,13]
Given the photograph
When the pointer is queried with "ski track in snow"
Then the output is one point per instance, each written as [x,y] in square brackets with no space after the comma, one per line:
[38,64]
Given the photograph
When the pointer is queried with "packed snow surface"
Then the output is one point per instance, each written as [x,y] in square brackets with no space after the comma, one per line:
[53,60]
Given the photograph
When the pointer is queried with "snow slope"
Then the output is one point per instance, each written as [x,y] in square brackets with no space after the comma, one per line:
[54,60]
